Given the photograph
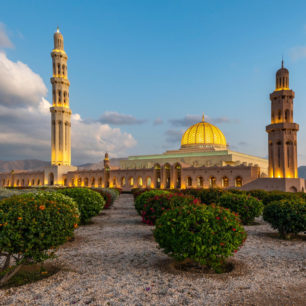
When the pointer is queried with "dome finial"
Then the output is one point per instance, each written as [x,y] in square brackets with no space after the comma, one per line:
[203,117]
[57,29]
[282,62]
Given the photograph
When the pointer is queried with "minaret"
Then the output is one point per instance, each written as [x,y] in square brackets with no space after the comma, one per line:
[60,111]
[282,132]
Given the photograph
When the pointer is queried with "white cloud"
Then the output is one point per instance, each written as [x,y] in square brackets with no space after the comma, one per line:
[119,119]
[19,85]
[4,40]
[297,53]
[25,121]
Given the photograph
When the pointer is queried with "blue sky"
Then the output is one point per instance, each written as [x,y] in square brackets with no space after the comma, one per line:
[166,60]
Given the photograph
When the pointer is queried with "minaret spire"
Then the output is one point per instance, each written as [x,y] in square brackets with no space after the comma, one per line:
[203,117]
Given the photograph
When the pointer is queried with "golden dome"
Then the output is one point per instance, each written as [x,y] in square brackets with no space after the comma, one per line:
[203,135]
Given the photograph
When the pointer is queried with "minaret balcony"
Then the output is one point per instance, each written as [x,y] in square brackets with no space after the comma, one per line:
[282,126]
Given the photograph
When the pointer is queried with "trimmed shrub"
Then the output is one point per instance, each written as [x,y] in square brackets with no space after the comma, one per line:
[136,192]
[31,227]
[157,205]
[246,206]
[90,203]
[258,194]
[278,196]
[204,234]
[142,199]
[109,195]
[207,196]
[286,216]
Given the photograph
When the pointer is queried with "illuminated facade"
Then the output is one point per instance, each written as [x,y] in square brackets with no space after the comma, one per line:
[203,160]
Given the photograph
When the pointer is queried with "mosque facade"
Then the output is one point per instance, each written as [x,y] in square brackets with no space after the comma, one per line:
[203,160]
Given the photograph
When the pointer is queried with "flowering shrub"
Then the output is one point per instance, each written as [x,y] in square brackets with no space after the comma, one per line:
[31,227]
[109,195]
[157,205]
[90,203]
[258,194]
[287,216]
[136,192]
[207,196]
[142,199]
[246,206]
[205,234]
[6,193]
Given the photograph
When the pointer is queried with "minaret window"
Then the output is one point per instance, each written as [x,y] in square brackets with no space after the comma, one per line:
[59,96]
[279,115]
[287,115]
[279,153]
[59,69]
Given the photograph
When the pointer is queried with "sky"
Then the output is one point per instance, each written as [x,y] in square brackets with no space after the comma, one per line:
[142,72]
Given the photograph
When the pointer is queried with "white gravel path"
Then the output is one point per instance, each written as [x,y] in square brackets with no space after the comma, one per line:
[115,261]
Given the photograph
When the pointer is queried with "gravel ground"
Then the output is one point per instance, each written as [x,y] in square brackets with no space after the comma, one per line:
[115,261]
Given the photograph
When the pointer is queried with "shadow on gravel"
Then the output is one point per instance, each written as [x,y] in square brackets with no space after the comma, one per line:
[234,267]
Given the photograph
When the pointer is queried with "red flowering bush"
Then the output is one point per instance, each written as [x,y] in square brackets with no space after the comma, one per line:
[31,227]
[109,195]
[142,199]
[204,234]
[246,206]
[157,205]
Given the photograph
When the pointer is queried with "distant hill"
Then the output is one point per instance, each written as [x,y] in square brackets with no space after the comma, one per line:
[302,171]
[28,164]
[35,164]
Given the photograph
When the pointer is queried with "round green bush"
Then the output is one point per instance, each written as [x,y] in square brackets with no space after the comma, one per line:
[286,216]
[210,195]
[142,199]
[258,194]
[205,234]
[157,205]
[90,203]
[246,206]
[278,196]
[31,226]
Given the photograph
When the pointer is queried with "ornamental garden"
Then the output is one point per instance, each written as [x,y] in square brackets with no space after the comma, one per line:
[198,228]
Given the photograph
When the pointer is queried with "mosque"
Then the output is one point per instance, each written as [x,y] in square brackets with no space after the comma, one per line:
[202,161]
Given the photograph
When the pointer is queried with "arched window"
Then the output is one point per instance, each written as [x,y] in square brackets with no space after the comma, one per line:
[114,182]
[93,181]
[59,69]
[279,115]
[16,183]
[63,70]
[38,182]
[65,97]
[79,181]
[123,181]
[140,183]
[238,181]
[86,181]
[72,181]
[189,181]
[225,182]
[59,96]
[131,181]
[200,182]
[51,179]
[212,182]
[65,182]
[33,182]
[178,174]
[149,181]
[100,181]
[157,175]
[167,176]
